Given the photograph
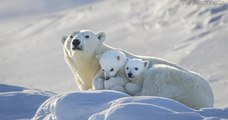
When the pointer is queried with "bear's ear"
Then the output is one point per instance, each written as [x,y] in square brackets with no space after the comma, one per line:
[146,64]
[101,36]
[118,58]
[98,57]
[64,39]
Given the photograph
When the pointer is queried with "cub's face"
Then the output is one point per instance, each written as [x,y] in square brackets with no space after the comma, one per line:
[135,67]
[111,62]
[83,42]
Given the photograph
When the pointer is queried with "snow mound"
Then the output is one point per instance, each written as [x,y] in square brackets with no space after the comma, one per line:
[111,105]
[10,88]
[76,105]
[19,102]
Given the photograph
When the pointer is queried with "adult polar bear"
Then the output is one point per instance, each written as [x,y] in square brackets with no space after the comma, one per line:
[81,48]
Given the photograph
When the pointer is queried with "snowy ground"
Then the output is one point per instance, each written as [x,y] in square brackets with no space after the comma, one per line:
[18,102]
[110,105]
[194,36]
[23,103]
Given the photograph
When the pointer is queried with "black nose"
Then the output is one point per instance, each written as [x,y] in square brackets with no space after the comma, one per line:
[107,78]
[129,74]
[76,42]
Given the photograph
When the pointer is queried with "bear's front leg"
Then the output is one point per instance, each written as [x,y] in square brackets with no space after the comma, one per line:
[113,81]
[118,88]
[98,84]
[132,88]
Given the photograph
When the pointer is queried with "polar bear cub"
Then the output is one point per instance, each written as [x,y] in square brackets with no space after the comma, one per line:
[134,70]
[111,63]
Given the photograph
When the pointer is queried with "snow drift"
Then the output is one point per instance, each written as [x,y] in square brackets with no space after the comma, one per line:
[19,102]
[111,105]
[23,103]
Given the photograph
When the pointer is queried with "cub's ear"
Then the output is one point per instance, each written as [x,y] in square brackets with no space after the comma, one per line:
[64,39]
[101,36]
[146,64]
[118,58]
[98,57]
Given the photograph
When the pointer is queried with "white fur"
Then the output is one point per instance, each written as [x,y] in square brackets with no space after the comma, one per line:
[136,68]
[85,67]
[133,88]
[98,83]
[115,83]
[186,87]
[111,62]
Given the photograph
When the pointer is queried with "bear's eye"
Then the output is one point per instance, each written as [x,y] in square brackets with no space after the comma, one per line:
[103,70]
[127,68]
[71,36]
[87,36]
[111,69]
[136,68]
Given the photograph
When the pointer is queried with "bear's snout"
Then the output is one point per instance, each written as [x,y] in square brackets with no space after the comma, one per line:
[129,75]
[76,42]
[107,78]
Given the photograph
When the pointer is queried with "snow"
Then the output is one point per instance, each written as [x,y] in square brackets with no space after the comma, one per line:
[20,103]
[26,7]
[76,105]
[111,105]
[23,103]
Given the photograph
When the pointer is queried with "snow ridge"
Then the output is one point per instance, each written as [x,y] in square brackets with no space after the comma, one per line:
[112,105]
[20,103]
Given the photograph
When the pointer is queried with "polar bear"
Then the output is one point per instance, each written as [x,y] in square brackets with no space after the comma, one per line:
[111,63]
[80,50]
[186,87]
[134,69]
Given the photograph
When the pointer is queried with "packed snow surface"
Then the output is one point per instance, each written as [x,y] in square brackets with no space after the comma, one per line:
[111,105]
[20,103]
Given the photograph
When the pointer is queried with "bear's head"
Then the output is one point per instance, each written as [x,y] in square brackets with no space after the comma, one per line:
[83,43]
[111,62]
[135,67]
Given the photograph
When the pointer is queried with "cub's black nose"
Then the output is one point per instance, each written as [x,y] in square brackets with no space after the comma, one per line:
[129,74]
[107,78]
[76,42]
